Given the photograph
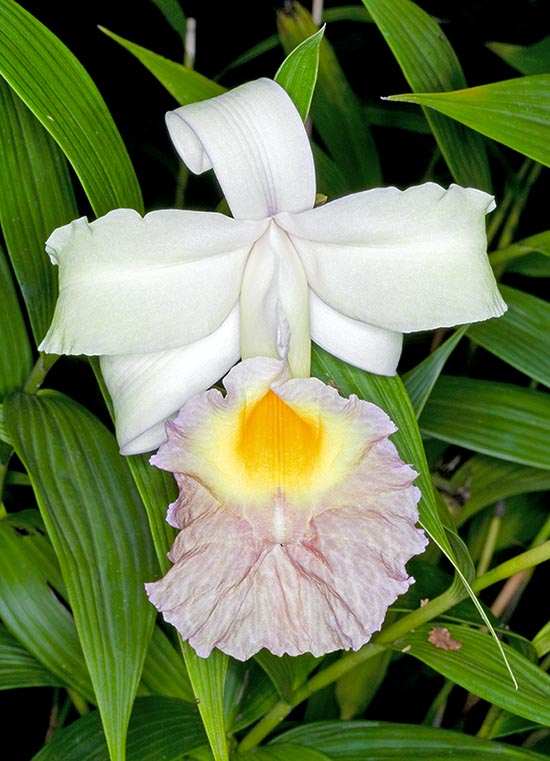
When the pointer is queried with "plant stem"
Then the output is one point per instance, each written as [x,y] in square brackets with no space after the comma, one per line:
[491,538]
[488,723]
[528,559]
[395,631]
[43,365]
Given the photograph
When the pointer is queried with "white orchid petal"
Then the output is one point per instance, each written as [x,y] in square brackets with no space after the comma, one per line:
[401,260]
[274,303]
[254,139]
[129,284]
[365,346]
[148,389]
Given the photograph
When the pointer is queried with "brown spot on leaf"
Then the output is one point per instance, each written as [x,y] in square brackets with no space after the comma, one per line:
[440,637]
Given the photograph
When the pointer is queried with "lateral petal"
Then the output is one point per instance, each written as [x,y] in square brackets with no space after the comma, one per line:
[401,260]
[256,142]
[148,389]
[130,285]
[366,346]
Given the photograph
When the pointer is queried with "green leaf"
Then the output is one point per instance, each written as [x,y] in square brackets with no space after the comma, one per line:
[346,13]
[531,265]
[185,85]
[286,672]
[429,63]
[283,752]
[248,695]
[527,59]
[156,487]
[356,689]
[35,197]
[497,419]
[18,668]
[161,729]
[207,677]
[96,523]
[60,93]
[298,72]
[36,617]
[164,672]
[485,480]
[391,396]
[521,336]
[515,112]
[379,741]
[420,381]
[172,12]
[541,641]
[16,355]
[539,243]
[335,110]
[509,724]
[477,666]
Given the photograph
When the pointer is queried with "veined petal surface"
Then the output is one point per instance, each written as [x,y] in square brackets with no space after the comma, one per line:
[130,284]
[365,346]
[148,389]
[296,514]
[254,139]
[401,260]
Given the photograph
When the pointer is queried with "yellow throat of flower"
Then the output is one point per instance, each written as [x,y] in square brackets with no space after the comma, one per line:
[277,447]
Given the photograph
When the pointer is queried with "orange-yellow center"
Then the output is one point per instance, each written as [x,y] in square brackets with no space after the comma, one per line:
[278,448]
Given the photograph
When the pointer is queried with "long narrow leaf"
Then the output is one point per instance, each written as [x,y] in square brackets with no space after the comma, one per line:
[477,667]
[390,394]
[160,728]
[488,479]
[335,110]
[186,85]
[298,72]
[497,419]
[97,525]
[207,677]
[379,741]
[59,91]
[29,609]
[429,63]
[515,112]
[35,197]
[421,379]
[18,668]
[15,355]
[520,337]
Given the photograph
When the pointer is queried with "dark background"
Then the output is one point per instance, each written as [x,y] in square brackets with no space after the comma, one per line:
[224,31]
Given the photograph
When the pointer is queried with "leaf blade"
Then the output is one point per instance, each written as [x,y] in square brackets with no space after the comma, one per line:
[75,470]
[59,91]
[514,112]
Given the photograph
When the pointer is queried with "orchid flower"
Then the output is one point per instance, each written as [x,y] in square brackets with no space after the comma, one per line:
[297,517]
[171,301]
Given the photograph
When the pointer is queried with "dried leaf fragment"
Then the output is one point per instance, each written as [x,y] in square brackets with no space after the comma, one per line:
[441,637]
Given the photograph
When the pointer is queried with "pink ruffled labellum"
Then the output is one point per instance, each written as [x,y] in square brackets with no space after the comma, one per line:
[297,517]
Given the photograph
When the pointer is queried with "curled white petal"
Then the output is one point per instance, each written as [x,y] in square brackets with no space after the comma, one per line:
[365,346]
[254,139]
[402,260]
[129,284]
[148,389]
